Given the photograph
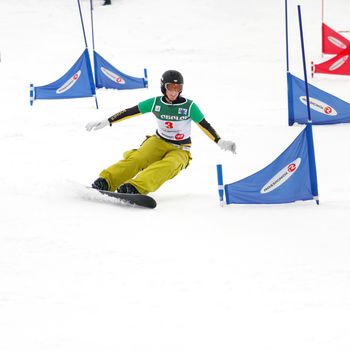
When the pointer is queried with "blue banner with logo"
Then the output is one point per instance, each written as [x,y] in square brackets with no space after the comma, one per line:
[77,82]
[324,107]
[107,76]
[289,178]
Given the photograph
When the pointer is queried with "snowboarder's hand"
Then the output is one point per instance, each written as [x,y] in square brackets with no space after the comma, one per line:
[97,125]
[227,145]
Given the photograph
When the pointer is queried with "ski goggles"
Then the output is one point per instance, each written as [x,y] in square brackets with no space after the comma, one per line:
[174,87]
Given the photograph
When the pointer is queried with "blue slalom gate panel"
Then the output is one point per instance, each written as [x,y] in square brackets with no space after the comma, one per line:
[290,177]
[107,76]
[324,107]
[77,82]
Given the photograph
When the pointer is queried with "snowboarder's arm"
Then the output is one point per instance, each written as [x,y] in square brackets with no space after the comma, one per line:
[142,107]
[209,130]
[198,117]
[124,114]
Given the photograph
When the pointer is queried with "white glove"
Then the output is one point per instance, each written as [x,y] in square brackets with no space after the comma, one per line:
[227,145]
[97,125]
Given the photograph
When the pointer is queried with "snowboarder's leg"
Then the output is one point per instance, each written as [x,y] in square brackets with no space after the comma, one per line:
[152,177]
[134,161]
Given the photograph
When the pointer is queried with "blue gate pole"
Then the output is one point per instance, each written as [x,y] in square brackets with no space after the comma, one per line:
[31,94]
[82,23]
[286,29]
[304,66]
[145,81]
[220,183]
[92,26]
[309,134]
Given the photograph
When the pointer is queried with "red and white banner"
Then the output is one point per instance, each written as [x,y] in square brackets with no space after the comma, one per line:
[339,64]
[332,42]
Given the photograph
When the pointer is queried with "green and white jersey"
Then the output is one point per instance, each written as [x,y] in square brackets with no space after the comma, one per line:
[174,120]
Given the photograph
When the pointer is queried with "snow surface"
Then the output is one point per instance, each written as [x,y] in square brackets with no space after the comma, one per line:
[78,273]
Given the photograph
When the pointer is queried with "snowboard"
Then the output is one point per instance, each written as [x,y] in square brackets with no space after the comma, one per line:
[141,200]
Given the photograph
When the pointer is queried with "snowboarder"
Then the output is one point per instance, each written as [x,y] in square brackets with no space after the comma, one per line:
[163,155]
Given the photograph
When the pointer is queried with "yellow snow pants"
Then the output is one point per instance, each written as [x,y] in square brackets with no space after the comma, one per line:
[147,167]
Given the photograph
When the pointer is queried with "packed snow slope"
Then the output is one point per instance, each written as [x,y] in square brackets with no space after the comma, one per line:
[78,272]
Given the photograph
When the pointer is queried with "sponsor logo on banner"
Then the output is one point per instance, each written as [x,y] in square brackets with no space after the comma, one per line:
[69,83]
[336,42]
[113,76]
[281,177]
[319,106]
[339,63]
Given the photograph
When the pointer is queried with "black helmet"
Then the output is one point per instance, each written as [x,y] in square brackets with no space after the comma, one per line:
[170,76]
